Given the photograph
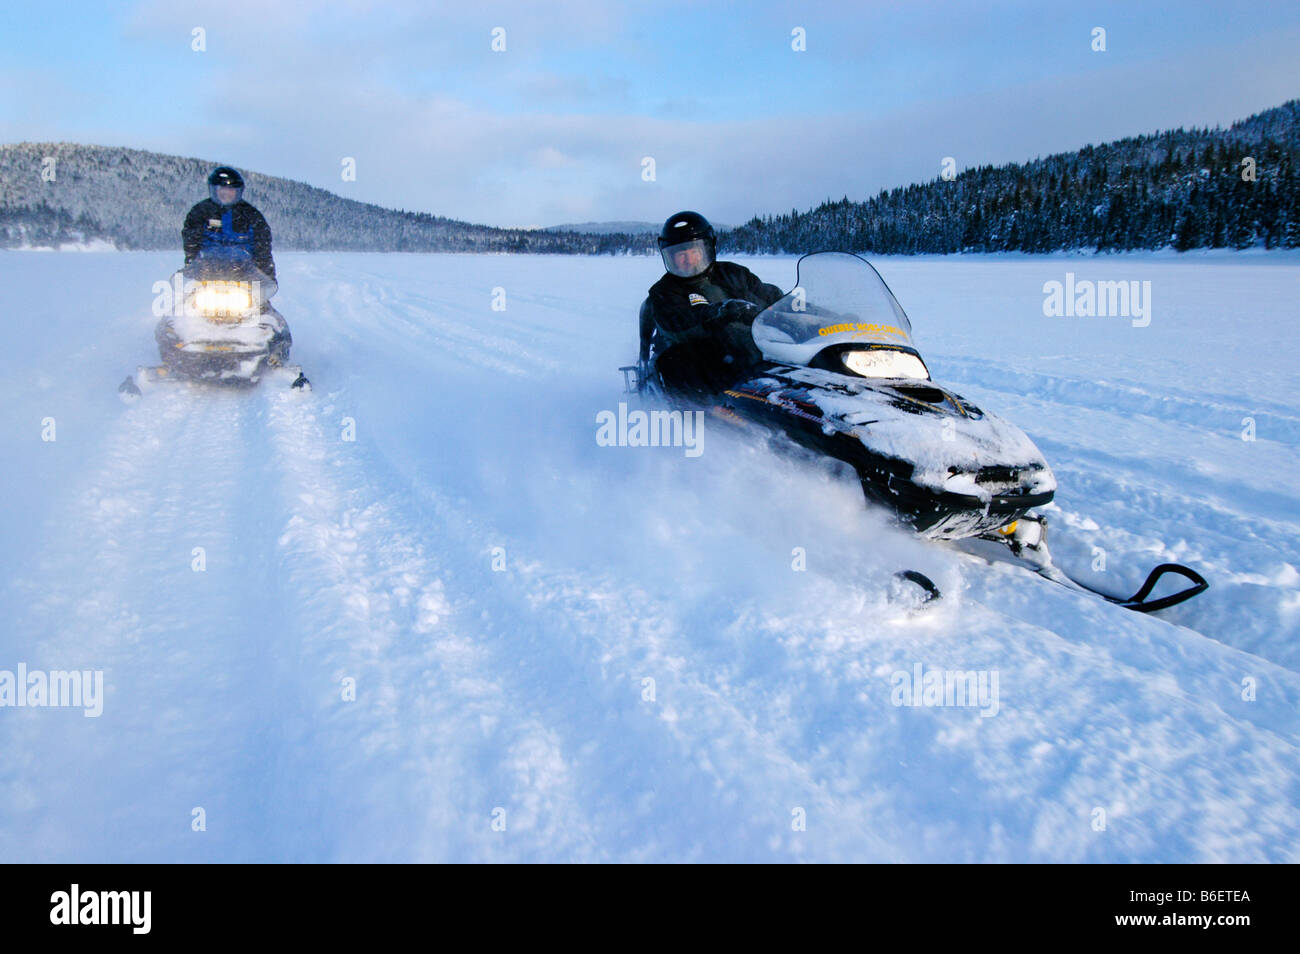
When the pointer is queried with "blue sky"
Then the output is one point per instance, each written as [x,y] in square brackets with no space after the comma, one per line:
[555,128]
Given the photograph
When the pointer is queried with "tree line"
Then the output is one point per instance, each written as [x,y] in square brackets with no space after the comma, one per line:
[1182,189]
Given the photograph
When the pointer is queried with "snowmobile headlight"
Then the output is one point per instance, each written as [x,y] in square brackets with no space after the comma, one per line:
[223,299]
[884,363]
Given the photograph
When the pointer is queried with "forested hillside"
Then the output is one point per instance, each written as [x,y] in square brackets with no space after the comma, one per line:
[1198,188]
[53,193]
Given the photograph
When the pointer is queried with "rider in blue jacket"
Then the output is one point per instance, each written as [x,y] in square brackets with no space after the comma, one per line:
[225,227]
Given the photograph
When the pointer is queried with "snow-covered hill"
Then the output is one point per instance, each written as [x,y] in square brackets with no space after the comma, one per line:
[574,652]
[68,194]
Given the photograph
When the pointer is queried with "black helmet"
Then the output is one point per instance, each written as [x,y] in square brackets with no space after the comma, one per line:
[688,244]
[224,177]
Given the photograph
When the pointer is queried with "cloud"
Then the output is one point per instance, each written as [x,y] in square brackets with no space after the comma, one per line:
[556,128]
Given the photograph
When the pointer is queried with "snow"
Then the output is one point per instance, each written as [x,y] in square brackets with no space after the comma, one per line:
[609,652]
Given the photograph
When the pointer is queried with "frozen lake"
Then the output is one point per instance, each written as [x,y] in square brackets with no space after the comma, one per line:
[419,614]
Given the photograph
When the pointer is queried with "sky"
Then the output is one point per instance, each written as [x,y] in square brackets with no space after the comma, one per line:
[558,126]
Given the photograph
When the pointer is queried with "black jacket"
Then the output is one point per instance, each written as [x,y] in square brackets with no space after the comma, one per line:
[206,225]
[676,308]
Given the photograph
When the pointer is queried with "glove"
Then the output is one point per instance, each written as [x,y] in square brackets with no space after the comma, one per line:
[734,309]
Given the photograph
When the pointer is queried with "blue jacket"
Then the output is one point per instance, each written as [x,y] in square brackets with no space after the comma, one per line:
[237,232]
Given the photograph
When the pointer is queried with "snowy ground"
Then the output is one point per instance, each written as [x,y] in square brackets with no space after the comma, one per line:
[521,694]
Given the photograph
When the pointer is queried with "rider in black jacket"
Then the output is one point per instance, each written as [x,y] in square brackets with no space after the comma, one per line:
[696,319]
[225,227]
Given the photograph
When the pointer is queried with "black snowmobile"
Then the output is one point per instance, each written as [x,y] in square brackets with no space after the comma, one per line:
[840,375]
[221,330]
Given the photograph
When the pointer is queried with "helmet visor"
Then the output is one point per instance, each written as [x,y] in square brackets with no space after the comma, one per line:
[226,195]
[688,259]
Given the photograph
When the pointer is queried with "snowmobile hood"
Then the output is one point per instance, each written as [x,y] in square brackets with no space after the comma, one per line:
[951,444]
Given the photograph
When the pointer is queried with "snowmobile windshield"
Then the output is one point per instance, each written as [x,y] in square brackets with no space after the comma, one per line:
[687,259]
[838,300]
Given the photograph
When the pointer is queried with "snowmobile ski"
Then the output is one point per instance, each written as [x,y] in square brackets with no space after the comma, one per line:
[1027,541]
[906,585]
[1140,601]
[148,377]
